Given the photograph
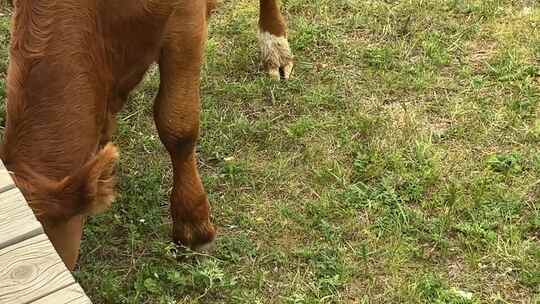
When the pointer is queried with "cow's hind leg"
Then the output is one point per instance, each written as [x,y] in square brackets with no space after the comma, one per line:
[276,53]
[176,113]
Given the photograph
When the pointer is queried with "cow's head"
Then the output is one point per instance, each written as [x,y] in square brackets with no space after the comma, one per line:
[61,206]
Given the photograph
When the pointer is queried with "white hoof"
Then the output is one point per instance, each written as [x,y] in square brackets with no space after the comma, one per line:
[276,55]
[287,70]
[274,73]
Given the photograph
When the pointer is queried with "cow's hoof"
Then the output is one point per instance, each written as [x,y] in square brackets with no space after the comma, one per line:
[283,72]
[194,236]
[276,55]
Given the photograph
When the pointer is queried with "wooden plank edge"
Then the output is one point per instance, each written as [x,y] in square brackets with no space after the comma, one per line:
[7,188]
[6,181]
[22,237]
[73,288]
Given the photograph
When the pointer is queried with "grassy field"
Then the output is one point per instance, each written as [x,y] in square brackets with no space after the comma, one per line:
[401,164]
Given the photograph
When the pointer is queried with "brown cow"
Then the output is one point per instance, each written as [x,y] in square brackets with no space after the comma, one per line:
[72,65]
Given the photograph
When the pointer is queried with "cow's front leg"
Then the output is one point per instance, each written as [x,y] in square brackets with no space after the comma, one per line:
[176,113]
[276,54]
[109,127]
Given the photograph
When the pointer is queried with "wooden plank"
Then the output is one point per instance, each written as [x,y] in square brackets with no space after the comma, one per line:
[6,182]
[17,221]
[72,294]
[31,270]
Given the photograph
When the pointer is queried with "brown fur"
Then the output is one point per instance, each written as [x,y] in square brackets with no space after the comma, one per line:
[90,190]
[72,65]
[271,20]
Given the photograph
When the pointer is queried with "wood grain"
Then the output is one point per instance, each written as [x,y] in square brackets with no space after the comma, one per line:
[72,294]
[17,221]
[31,270]
[6,182]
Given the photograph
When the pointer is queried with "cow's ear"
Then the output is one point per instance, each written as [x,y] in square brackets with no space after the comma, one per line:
[99,182]
[88,191]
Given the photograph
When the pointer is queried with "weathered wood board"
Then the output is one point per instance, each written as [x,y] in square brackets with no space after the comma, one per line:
[72,294]
[17,221]
[6,182]
[31,271]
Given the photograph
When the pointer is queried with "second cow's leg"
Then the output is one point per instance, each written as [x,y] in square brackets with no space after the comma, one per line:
[176,112]
[276,53]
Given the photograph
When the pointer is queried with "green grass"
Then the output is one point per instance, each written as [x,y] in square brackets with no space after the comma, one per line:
[401,164]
